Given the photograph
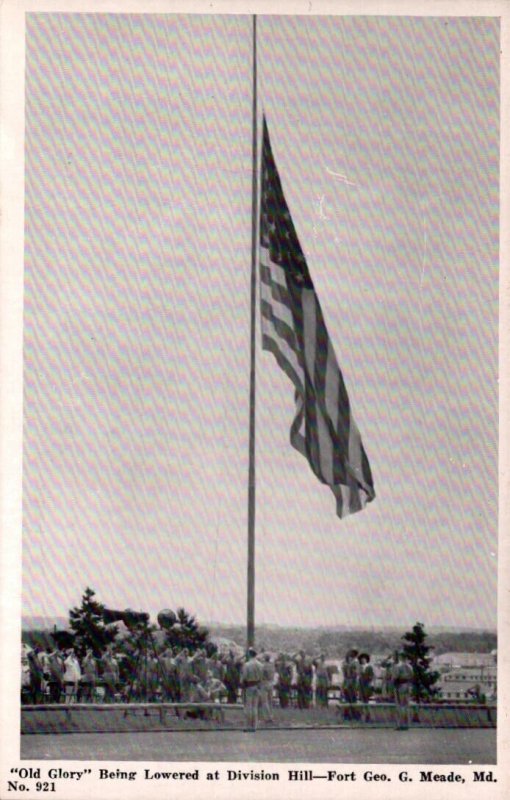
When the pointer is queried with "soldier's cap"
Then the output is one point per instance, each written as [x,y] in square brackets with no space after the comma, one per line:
[251,651]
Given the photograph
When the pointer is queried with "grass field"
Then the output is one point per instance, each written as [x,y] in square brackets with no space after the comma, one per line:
[328,746]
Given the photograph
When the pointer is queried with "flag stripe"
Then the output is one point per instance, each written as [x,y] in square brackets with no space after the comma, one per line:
[332,387]
[314,429]
[284,359]
[278,309]
[343,407]
[276,272]
[278,292]
[280,327]
[332,390]
[355,449]
[326,426]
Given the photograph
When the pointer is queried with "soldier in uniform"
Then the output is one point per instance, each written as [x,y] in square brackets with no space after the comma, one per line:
[72,676]
[366,679]
[232,677]
[152,677]
[185,673]
[284,685]
[350,669]
[266,688]
[252,676]
[89,677]
[402,678]
[36,676]
[321,682]
[199,667]
[304,668]
[171,687]
[110,675]
[56,676]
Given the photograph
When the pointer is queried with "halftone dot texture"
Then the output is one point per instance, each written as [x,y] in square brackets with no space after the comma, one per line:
[396,122]
[134,353]
[385,132]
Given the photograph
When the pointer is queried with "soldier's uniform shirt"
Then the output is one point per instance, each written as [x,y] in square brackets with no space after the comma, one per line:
[251,676]
[252,673]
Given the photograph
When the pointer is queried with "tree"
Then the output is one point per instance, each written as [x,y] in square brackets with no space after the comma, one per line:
[185,631]
[88,626]
[417,652]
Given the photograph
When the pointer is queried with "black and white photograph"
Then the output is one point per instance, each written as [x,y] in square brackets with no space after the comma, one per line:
[254,481]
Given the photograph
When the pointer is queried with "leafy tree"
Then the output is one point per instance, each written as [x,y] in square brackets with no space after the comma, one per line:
[186,632]
[417,651]
[63,639]
[88,626]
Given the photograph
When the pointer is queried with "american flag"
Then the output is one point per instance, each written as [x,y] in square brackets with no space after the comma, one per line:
[293,330]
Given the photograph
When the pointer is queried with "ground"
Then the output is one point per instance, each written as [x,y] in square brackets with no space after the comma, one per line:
[333,746]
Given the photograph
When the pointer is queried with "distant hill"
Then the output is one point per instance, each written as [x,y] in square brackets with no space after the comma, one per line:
[34,623]
[332,640]
[263,626]
[335,641]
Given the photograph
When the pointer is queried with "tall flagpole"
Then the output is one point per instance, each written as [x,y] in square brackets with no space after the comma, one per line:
[250,624]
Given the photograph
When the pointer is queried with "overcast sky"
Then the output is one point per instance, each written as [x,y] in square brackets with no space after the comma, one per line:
[136,314]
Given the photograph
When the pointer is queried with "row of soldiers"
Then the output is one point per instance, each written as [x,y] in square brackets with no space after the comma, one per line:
[174,676]
[177,675]
[259,675]
[257,679]
[58,675]
[289,675]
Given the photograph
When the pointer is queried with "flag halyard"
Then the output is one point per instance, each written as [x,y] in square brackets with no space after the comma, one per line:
[293,330]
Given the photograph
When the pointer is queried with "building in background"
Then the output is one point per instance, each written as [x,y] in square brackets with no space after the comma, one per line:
[467,676]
